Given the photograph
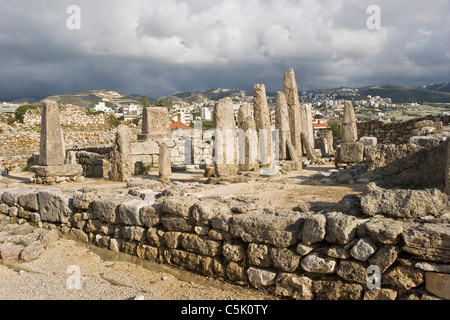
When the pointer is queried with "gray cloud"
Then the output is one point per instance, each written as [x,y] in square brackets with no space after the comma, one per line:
[166,46]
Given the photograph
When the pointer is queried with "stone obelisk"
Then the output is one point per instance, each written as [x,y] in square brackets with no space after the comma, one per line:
[293,102]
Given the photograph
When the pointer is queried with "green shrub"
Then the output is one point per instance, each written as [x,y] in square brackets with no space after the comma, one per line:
[20,111]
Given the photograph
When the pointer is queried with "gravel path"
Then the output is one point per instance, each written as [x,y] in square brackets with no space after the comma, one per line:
[107,276]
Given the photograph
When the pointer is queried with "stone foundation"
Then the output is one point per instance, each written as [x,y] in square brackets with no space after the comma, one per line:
[328,255]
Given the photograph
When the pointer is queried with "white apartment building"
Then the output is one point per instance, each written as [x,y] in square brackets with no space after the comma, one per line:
[101,106]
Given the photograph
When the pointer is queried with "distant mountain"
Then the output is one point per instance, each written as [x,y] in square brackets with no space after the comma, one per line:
[405,94]
[441,87]
[92,97]
[190,97]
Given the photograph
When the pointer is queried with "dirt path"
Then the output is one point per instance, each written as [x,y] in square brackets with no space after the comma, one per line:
[108,276]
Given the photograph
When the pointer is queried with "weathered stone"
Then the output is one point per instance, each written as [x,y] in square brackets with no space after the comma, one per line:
[285,259]
[83,201]
[165,161]
[236,272]
[115,245]
[447,170]
[314,229]
[363,249]
[259,255]
[403,277]
[380,294]
[295,286]
[262,121]
[248,146]
[174,222]
[303,249]
[155,237]
[155,123]
[438,284]
[278,229]
[337,252]
[403,203]
[31,251]
[260,278]
[221,222]
[292,98]
[285,148]
[336,290]
[107,209]
[233,251]
[434,267]
[385,257]
[216,234]
[134,233]
[93,226]
[352,271]
[428,241]
[10,251]
[53,206]
[151,214]
[206,210]
[341,228]
[201,245]
[64,170]
[317,264]
[130,211]
[51,152]
[368,141]
[349,130]
[28,201]
[351,153]
[384,230]
[79,235]
[121,157]
[49,236]
[180,206]
[224,143]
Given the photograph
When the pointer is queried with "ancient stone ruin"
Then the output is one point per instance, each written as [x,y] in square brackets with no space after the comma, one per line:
[52,167]
[388,238]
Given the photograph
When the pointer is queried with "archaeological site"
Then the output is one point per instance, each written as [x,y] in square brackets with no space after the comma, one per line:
[262,200]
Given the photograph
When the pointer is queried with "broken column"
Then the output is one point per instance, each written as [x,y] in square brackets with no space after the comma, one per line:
[225,164]
[291,92]
[447,170]
[349,129]
[51,167]
[121,156]
[165,161]
[155,124]
[307,131]
[286,148]
[247,140]
[262,121]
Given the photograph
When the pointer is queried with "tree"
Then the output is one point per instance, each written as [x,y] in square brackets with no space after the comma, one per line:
[144,100]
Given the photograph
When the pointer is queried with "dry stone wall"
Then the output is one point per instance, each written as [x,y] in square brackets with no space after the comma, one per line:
[301,255]
[399,133]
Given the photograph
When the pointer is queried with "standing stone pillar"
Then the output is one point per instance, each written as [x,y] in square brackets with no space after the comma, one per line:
[447,170]
[349,129]
[248,147]
[306,127]
[165,161]
[286,148]
[51,168]
[225,164]
[155,124]
[121,157]
[51,151]
[262,121]
[291,92]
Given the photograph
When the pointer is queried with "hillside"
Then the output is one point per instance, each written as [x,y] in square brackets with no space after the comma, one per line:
[199,97]
[92,97]
[404,94]
[441,87]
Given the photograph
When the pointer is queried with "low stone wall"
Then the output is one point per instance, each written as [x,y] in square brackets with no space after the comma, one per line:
[302,255]
[398,133]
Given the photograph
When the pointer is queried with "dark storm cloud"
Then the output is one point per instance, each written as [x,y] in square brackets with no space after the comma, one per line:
[165,46]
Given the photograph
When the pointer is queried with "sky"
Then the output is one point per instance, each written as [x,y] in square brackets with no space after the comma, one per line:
[49,47]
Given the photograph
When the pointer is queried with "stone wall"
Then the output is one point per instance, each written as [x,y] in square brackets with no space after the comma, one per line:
[398,133]
[301,255]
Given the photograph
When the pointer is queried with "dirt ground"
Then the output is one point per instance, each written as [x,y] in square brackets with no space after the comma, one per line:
[115,276]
